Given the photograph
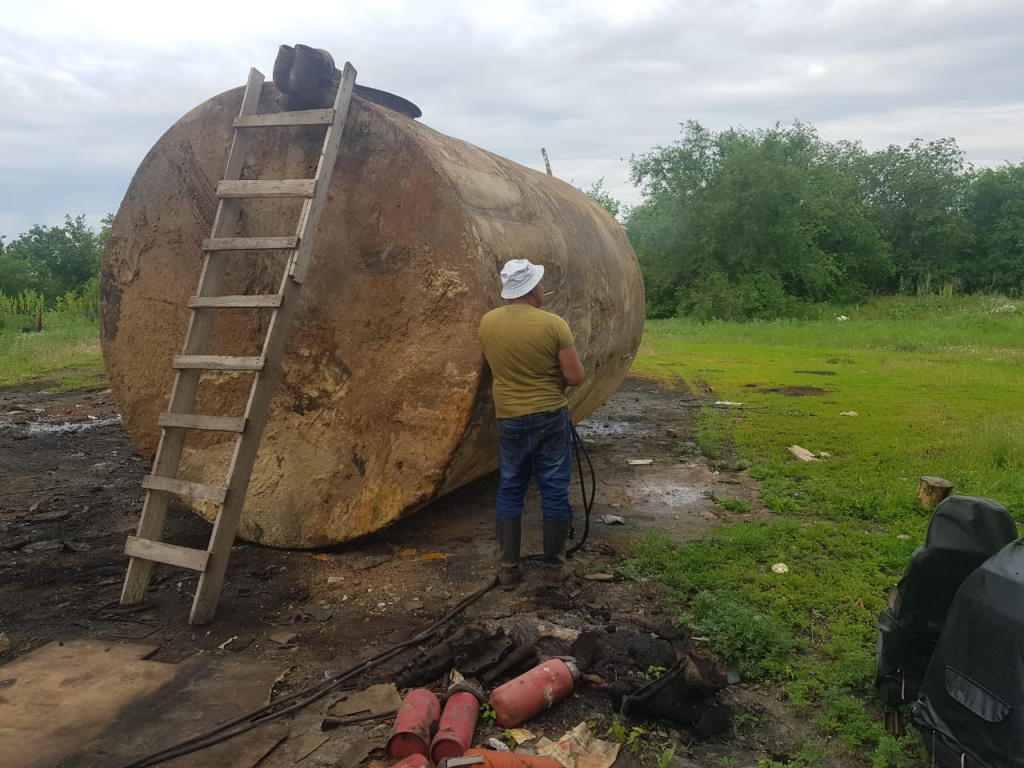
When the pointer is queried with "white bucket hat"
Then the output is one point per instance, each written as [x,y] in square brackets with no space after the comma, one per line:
[519,277]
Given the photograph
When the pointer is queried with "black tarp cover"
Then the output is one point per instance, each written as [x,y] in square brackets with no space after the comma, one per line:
[964,531]
[972,707]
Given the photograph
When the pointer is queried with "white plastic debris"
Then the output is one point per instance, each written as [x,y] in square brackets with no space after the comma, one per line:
[802,453]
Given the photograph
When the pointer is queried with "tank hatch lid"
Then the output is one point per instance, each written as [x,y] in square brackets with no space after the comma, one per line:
[389,100]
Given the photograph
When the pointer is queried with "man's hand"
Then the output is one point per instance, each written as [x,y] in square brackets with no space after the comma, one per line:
[572,368]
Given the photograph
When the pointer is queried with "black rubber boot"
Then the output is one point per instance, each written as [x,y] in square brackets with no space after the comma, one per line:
[309,69]
[283,68]
[509,535]
[555,534]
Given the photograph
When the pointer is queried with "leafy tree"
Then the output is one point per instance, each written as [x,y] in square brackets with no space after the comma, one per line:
[16,275]
[602,197]
[106,224]
[750,224]
[54,260]
[916,196]
[995,210]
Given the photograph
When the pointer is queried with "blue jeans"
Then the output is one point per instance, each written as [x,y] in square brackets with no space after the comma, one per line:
[538,444]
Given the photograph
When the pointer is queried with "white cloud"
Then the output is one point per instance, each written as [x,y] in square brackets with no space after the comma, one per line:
[89,87]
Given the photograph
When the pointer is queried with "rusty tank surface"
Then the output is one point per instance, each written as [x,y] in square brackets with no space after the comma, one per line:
[384,400]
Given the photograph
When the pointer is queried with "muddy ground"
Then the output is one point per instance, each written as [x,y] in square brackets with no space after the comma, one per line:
[69,494]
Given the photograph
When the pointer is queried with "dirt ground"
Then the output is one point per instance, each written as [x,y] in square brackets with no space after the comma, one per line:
[69,494]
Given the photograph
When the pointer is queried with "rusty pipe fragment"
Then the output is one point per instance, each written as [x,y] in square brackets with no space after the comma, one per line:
[511,663]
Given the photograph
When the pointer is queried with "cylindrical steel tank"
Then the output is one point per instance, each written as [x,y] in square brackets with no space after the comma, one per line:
[384,400]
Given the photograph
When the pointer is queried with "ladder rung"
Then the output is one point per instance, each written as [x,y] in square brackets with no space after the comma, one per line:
[185,488]
[217,363]
[250,243]
[237,302]
[199,421]
[171,554]
[304,117]
[267,188]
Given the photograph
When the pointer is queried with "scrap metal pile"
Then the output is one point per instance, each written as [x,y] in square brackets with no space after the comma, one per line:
[516,670]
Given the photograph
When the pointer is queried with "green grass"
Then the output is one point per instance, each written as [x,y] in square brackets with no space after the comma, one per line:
[936,384]
[65,355]
[733,505]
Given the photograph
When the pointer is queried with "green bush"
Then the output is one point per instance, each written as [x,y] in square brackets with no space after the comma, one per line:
[741,634]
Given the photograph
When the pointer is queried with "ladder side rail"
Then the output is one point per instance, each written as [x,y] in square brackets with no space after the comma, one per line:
[313,208]
[186,382]
[257,413]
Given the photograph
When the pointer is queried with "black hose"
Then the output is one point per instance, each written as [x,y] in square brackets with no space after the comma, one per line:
[588,502]
[311,693]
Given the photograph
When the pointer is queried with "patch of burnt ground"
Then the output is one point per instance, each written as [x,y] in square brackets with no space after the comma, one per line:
[70,495]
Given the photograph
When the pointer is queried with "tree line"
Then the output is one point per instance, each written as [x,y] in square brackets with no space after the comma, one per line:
[52,268]
[745,224]
[737,224]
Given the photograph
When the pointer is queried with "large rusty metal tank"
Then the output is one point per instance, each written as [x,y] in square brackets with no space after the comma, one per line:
[384,401]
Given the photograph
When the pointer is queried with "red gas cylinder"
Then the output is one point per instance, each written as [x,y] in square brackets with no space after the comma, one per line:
[541,688]
[494,759]
[414,725]
[413,761]
[455,731]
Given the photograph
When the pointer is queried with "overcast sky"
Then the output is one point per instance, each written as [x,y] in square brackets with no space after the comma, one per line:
[88,87]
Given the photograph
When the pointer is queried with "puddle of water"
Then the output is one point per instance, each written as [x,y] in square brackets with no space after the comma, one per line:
[41,427]
[668,493]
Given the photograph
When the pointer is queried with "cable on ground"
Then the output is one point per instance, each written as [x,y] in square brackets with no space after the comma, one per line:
[298,699]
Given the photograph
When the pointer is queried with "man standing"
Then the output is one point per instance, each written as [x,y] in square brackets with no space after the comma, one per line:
[533,359]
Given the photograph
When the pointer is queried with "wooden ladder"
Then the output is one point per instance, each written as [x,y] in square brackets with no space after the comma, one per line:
[147,546]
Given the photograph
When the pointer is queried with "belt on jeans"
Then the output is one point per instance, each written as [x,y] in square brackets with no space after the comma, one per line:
[548,413]
[537,413]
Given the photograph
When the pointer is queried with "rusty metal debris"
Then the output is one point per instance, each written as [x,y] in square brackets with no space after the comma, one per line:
[682,693]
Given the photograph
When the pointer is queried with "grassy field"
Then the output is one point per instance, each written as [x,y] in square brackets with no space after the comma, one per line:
[937,386]
[65,355]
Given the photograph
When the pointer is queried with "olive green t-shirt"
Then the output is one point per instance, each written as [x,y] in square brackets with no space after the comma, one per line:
[521,344]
